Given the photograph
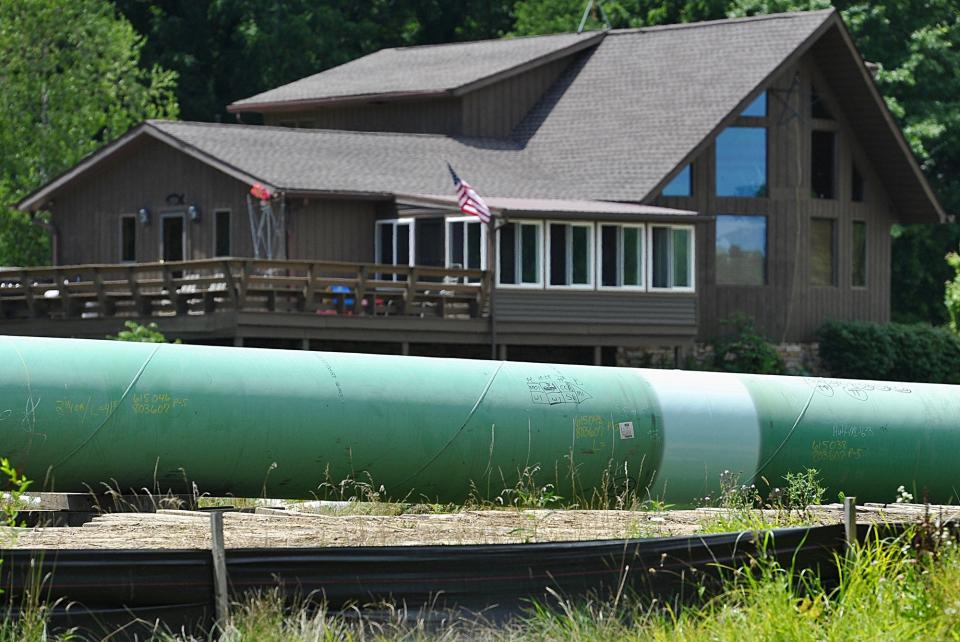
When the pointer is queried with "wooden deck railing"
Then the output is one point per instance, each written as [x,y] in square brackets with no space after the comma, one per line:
[207,286]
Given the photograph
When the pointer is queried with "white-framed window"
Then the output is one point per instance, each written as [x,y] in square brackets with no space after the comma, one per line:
[394,244]
[620,256]
[520,254]
[466,241]
[670,259]
[569,255]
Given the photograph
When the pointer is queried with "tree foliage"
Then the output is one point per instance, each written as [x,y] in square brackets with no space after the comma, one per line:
[225,50]
[951,298]
[139,333]
[70,80]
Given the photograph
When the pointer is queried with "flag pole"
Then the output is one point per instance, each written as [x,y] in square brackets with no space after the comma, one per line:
[492,288]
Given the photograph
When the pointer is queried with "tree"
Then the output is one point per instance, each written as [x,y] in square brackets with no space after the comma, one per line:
[70,81]
[556,16]
[225,50]
[951,298]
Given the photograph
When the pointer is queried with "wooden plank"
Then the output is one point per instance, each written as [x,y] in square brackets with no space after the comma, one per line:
[220,587]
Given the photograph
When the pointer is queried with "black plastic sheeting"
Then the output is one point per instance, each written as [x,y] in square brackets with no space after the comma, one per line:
[101,590]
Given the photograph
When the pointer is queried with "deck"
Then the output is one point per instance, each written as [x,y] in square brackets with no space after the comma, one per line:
[245,301]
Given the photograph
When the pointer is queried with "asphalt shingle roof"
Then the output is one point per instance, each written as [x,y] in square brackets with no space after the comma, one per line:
[425,69]
[612,128]
[643,99]
[331,160]
[632,108]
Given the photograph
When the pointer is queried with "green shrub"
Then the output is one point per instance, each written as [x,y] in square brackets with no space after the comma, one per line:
[746,350]
[149,333]
[895,352]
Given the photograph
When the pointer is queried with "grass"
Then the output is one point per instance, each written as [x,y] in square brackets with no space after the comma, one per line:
[887,590]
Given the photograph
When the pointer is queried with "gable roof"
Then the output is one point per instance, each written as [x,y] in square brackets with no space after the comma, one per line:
[616,126]
[431,70]
[664,91]
[318,161]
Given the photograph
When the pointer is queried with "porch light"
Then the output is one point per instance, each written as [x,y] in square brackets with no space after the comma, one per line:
[143,215]
[194,213]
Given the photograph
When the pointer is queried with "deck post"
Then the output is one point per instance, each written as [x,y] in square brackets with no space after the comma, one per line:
[850,522]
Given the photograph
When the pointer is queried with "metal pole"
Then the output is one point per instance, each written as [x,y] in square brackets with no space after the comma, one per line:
[850,521]
[218,551]
[492,272]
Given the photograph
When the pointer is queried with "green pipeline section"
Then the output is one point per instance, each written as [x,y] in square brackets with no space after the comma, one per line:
[77,415]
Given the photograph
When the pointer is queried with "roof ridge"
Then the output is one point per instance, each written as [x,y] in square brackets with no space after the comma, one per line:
[721,21]
[159,122]
[503,38]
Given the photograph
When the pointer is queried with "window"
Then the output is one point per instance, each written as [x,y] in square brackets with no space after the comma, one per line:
[856,184]
[128,238]
[221,233]
[758,108]
[393,241]
[681,185]
[859,254]
[520,246]
[466,243]
[742,162]
[671,257]
[818,109]
[823,163]
[741,250]
[823,265]
[570,254]
[620,248]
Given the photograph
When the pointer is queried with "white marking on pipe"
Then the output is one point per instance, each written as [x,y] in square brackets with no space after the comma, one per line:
[710,426]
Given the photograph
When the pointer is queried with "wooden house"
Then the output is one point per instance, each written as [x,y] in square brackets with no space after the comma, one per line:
[648,184]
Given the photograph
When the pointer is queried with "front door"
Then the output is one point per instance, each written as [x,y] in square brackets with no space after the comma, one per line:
[172,241]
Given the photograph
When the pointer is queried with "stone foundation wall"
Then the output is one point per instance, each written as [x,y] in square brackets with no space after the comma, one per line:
[799,358]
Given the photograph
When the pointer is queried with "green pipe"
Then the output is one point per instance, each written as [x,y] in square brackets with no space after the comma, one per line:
[78,415]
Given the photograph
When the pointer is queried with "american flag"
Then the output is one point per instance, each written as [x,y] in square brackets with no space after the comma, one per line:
[470,202]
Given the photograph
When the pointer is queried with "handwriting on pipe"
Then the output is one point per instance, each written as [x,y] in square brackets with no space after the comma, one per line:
[156,403]
[832,450]
[67,407]
[552,389]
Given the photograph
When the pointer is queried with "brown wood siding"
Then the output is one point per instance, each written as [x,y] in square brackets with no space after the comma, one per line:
[331,230]
[636,308]
[433,116]
[87,214]
[495,110]
[788,308]
[491,111]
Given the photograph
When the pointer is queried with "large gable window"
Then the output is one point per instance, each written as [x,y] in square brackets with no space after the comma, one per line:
[859,255]
[823,163]
[620,248]
[823,252]
[741,250]
[856,184]
[758,108]
[671,257]
[681,185]
[818,108]
[742,162]
[519,252]
[570,256]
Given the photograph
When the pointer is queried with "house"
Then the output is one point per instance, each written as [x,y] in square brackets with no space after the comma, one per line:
[649,183]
